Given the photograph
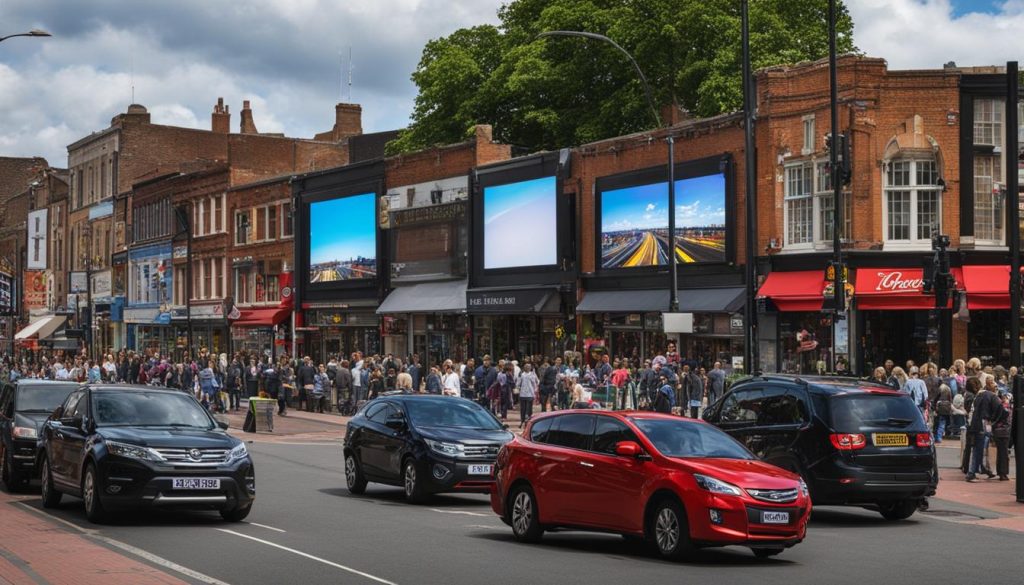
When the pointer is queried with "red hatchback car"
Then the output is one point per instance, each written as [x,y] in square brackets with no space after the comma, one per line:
[679,483]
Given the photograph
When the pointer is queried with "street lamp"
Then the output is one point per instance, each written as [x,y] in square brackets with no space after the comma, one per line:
[32,33]
[658,122]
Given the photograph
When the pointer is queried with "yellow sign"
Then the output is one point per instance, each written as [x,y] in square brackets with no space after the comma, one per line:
[830,273]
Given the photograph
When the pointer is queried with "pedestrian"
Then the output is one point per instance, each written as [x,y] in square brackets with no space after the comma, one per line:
[528,384]
[233,384]
[375,384]
[695,393]
[403,383]
[986,410]
[917,390]
[272,385]
[548,381]
[943,412]
[897,378]
[716,383]
[664,400]
[434,383]
[305,381]
[206,384]
[321,387]
[1001,428]
[450,383]
[343,383]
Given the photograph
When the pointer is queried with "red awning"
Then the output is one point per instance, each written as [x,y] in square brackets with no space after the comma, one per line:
[795,291]
[896,289]
[262,317]
[988,287]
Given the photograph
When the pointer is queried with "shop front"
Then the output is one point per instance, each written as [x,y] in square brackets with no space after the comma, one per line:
[987,314]
[518,322]
[428,319]
[339,332]
[795,335]
[209,329]
[150,330]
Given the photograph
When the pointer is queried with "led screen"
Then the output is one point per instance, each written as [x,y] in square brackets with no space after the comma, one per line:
[343,239]
[521,224]
[634,223]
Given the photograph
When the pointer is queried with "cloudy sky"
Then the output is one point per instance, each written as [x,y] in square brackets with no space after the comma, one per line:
[286,56]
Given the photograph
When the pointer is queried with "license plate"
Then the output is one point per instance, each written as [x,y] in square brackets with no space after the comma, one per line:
[890,439]
[775,517]
[480,469]
[195,483]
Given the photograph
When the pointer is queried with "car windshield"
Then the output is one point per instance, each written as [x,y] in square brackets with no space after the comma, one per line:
[148,409]
[851,413]
[42,397]
[681,438]
[451,412]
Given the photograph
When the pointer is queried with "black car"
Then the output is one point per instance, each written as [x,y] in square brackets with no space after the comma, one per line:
[854,442]
[24,406]
[122,447]
[426,444]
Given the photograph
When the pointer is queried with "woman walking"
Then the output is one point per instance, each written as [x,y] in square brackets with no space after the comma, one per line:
[528,384]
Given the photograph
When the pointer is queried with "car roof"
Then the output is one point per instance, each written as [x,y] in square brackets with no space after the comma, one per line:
[38,382]
[133,388]
[829,385]
[621,414]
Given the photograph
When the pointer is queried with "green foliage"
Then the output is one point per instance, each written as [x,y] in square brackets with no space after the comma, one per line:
[556,92]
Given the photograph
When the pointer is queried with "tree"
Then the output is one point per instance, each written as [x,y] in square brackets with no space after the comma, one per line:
[557,92]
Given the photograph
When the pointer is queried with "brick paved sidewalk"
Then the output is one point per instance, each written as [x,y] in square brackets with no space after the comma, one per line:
[36,551]
[991,495]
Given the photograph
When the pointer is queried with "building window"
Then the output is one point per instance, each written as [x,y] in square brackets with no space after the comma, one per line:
[799,204]
[988,122]
[989,200]
[808,146]
[243,285]
[286,220]
[217,204]
[913,201]
[823,196]
[242,226]
[271,223]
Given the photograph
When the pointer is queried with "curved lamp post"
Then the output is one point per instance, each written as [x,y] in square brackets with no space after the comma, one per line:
[32,33]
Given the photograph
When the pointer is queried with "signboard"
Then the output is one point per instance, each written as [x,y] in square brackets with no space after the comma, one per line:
[180,252]
[103,209]
[78,282]
[36,289]
[520,224]
[37,242]
[455,211]
[343,254]
[101,286]
[678,322]
[6,295]
[507,301]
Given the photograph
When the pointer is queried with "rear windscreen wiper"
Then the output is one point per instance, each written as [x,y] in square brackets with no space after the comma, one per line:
[891,421]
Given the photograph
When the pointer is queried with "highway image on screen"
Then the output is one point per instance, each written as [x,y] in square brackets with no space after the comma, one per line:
[343,239]
[634,223]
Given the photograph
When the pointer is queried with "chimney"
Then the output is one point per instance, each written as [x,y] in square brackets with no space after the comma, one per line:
[248,126]
[220,120]
[348,121]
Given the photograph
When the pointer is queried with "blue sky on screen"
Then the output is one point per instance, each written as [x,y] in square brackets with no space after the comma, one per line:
[644,207]
[343,229]
[700,201]
[521,224]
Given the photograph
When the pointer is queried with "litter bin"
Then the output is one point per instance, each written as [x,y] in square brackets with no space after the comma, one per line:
[260,416]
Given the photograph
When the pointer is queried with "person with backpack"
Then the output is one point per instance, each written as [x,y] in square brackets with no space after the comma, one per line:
[943,412]
[233,384]
[664,400]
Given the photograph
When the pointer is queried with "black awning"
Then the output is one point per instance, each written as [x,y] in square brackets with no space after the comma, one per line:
[711,300]
[427,297]
[508,301]
[624,301]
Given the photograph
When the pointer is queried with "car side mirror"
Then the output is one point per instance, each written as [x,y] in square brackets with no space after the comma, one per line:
[395,422]
[223,424]
[628,449]
[73,421]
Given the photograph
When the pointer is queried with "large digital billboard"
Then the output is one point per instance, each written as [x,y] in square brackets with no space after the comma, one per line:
[634,223]
[343,239]
[520,224]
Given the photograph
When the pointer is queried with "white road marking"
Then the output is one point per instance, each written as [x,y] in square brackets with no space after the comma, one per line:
[309,556]
[267,527]
[156,560]
[482,526]
[440,511]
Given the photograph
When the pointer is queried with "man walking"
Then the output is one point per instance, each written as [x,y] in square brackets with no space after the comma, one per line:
[716,383]
[917,389]
[987,410]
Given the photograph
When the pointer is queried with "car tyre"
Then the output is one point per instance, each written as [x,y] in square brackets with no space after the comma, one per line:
[354,478]
[11,477]
[523,515]
[898,510]
[670,532]
[236,514]
[51,497]
[91,495]
[412,482]
[764,553]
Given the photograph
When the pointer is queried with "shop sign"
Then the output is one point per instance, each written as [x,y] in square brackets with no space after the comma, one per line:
[36,288]
[899,281]
[140,315]
[736,322]
[455,211]
[6,294]
[79,282]
[505,301]
[180,252]
[101,286]
[208,311]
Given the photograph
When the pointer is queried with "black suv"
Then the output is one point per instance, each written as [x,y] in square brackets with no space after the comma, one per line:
[426,444]
[854,442]
[120,447]
[24,405]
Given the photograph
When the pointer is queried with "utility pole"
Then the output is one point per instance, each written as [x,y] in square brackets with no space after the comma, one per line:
[750,357]
[1013,240]
[839,284]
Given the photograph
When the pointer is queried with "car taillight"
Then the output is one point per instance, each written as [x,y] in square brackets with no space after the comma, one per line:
[924,440]
[848,441]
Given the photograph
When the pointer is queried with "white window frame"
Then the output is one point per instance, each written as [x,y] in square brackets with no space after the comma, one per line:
[994,178]
[914,189]
[788,198]
[809,139]
[247,234]
[283,208]
[988,122]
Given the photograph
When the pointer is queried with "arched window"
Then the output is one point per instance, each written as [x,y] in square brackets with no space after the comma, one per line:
[913,200]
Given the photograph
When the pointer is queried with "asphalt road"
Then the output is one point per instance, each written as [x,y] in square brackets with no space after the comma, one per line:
[307,529]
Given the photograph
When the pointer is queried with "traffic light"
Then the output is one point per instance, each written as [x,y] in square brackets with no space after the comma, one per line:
[845,173]
[942,278]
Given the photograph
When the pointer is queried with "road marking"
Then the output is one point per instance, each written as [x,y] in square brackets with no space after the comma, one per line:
[309,556]
[482,526]
[156,560]
[267,527]
[440,511]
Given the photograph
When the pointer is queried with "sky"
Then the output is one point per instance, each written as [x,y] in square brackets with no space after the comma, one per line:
[700,202]
[288,58]
[521,224]
[343,229]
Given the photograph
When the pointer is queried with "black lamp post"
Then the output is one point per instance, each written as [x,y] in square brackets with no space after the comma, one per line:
[659,122]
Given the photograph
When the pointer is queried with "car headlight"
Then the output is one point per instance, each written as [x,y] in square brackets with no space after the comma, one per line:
[237,452]
[716,486]
[445,448]
[803,488]
[25,433]
[133,451]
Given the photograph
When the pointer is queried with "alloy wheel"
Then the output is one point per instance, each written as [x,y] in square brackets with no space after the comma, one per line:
[410,479]
[45,476]
[522,512]
[666,530]
[88,491]
[350,471]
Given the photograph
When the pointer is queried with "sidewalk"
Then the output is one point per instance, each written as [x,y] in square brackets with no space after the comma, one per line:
[36,551]
[985,495]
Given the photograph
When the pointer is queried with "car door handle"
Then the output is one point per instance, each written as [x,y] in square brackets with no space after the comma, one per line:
[538,454]
[59,435]
[585,464]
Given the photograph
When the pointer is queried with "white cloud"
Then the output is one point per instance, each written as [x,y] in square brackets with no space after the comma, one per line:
[650,207]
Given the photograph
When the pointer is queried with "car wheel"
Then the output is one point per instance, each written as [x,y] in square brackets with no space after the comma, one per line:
[91,494]
[11,478]
[413,484]
[898,510]
[523,515]
[354,475]
[51,497]
[670,531]
[764,553]
[236,514]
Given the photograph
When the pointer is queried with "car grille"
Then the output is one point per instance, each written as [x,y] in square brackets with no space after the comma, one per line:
[481,450]
[774,496]
[194,457]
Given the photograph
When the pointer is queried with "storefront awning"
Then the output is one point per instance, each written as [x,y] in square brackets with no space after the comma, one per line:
[711,300]
[896,289]
[41,328]
[262,317]
[426,297]
[624,301]
[988,287]
[801,290]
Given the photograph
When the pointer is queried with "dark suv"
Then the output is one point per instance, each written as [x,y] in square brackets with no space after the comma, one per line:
[24,405]
[854,442]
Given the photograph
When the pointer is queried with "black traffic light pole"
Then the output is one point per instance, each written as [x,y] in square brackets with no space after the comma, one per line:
[1013,240]
[839,290]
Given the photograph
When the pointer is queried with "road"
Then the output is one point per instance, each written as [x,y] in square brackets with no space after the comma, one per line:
[307,529]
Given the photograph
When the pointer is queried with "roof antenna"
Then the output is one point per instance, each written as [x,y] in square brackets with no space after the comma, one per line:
[132,68]
[350,74]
